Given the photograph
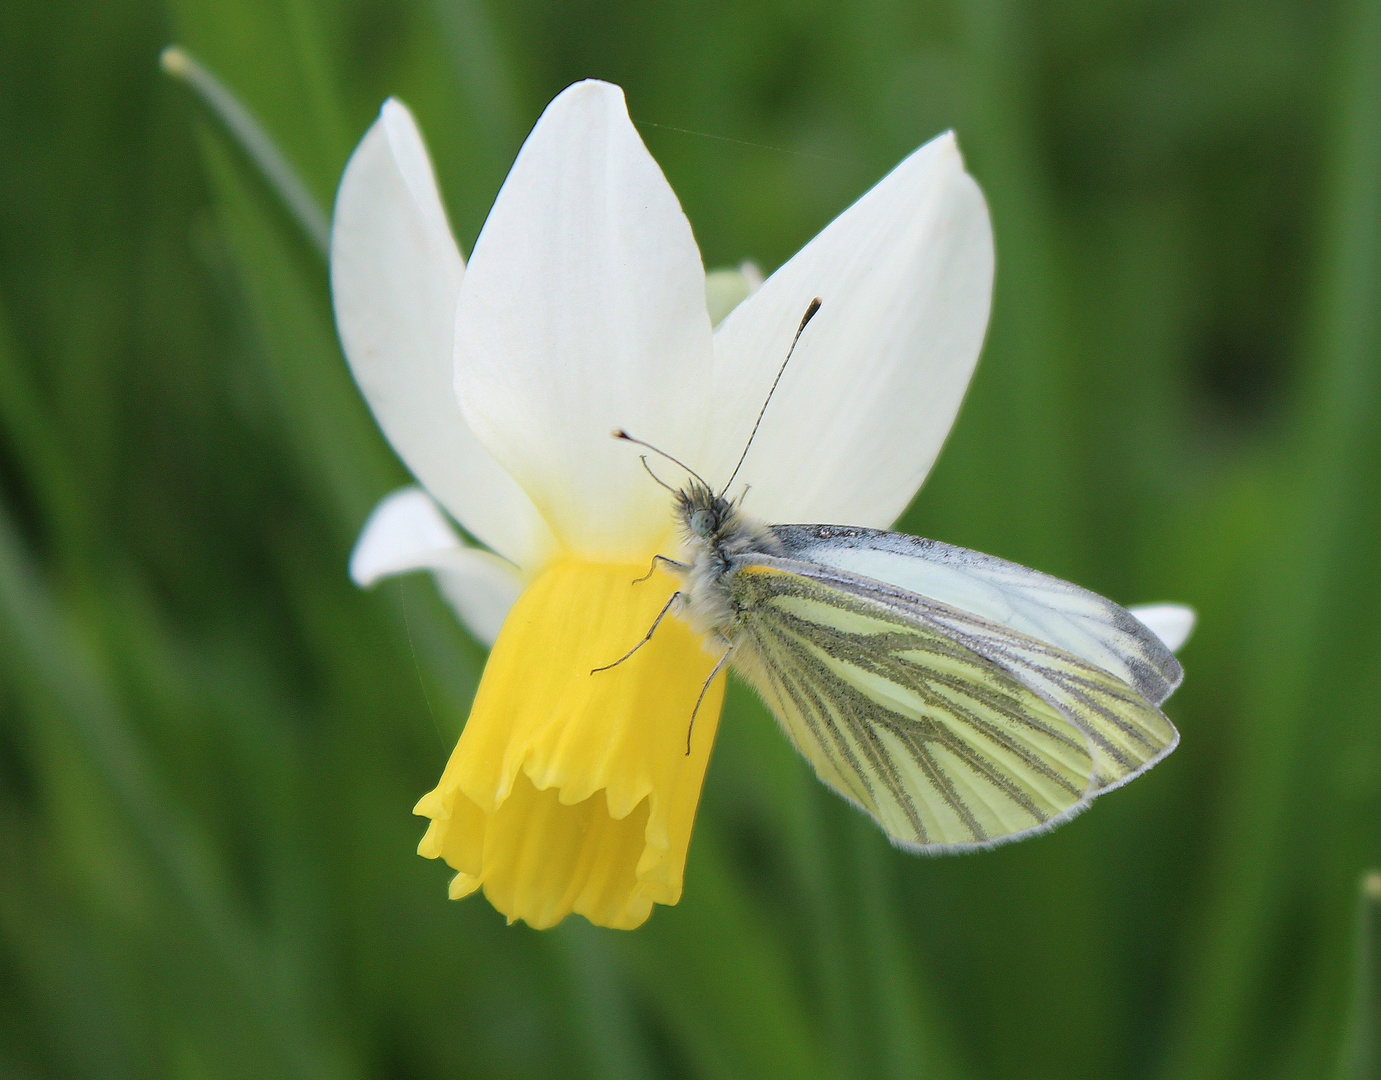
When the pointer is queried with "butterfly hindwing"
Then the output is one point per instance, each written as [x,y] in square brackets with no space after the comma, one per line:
[951,730]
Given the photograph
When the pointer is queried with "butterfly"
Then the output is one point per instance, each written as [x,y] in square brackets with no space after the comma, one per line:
[961,700]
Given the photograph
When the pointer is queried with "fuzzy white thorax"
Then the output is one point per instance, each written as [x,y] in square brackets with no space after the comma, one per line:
[715,534]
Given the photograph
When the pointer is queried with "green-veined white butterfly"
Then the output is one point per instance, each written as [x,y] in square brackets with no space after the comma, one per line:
[961,700]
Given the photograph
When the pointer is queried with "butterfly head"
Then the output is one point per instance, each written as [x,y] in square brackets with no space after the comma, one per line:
[703,514]
[717,526]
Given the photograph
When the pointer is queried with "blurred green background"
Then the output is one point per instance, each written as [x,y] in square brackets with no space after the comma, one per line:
[210,742]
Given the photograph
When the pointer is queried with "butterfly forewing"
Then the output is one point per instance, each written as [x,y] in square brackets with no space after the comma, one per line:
[1039,605]
[952,731]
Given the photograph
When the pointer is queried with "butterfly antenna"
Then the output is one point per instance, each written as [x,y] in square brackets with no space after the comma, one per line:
[810,314]
[643,459]
[619,433]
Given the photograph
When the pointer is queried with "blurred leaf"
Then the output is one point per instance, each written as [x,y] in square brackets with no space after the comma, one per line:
[1305,647]
[1361,1058]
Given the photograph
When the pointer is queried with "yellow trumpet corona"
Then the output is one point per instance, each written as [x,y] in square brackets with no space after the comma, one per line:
[570,789]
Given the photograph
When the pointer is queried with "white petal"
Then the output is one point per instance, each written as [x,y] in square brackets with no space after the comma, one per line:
[407,532]
[905,278]
[583,310]
[395,273]
[1172,623]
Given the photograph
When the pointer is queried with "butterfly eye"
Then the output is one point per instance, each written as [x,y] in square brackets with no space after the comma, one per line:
[702,523]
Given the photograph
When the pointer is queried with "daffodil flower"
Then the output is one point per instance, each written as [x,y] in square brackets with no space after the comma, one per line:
[584,309]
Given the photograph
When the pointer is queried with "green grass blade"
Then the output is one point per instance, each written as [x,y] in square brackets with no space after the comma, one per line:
[241,125]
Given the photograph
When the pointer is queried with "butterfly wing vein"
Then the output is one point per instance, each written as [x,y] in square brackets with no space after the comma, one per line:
[950,730]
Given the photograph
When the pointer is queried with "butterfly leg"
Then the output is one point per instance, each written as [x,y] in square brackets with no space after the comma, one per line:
[655,560]
[646,637]
[709,679]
